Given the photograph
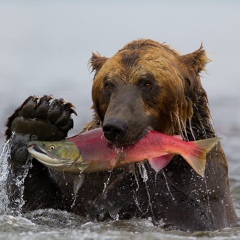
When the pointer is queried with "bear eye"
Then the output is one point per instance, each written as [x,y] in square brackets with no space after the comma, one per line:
[108,86]
[146,84]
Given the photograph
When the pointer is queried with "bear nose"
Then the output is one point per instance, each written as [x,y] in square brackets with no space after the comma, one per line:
[114,130]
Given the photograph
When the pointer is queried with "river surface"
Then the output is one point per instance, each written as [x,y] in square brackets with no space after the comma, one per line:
[44,49]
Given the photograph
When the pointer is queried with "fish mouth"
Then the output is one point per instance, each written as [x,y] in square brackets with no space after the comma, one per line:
[48,159]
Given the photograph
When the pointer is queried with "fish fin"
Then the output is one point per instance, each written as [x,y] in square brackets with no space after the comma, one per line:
[77,183]
[158,163]
[198,159]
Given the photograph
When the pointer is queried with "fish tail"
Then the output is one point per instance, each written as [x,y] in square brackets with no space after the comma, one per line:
[197,158]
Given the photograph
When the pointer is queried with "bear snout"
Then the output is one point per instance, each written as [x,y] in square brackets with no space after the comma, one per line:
[114,130]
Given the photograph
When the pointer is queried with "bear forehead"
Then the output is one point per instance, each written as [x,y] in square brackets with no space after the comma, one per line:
[134,63]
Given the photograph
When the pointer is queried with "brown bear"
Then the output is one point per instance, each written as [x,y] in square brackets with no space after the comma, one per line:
[145,85]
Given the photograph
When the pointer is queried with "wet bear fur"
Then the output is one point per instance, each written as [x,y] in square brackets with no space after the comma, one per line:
[145,85]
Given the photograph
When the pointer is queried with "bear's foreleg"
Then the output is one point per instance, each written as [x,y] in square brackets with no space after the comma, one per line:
[29,184]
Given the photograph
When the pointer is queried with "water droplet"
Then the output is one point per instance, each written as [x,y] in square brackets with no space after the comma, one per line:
[168,186]
[114,214]
[142,171]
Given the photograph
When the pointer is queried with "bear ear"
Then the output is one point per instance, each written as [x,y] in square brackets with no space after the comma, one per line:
[196,60]
[97,61]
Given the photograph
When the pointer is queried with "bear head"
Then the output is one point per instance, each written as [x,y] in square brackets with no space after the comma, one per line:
[145,85]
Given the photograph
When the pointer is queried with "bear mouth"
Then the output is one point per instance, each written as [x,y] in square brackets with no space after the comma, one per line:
[128,141]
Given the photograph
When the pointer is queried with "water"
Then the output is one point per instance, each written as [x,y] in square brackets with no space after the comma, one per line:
[3,177]
[51,224]
[45,47]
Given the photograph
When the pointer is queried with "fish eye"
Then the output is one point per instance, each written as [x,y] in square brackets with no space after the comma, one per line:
[52,147]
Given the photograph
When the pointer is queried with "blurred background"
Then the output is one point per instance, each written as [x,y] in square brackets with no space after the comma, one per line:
[45,47]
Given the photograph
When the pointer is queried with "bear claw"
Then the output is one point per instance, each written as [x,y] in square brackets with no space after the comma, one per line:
[46,118]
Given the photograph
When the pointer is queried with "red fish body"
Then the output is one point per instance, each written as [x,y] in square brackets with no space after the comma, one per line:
[157,147]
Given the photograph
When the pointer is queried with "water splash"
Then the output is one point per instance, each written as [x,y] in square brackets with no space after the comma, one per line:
[183,124]
[191,130]
[209,122]
[210,118]
[200,121]
[114,214]
[4,201]
[18,181]
[138,204]
[207,189]
[149,199]
[144,176]
[132,169]
[168,188]
[106,183]
[142,171]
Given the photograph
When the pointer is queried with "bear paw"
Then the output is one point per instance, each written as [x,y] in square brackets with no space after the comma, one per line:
[43,118]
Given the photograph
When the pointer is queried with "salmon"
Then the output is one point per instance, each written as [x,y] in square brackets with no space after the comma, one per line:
[91,152]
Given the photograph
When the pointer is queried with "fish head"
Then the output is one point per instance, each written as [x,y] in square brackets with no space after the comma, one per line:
[61,155]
